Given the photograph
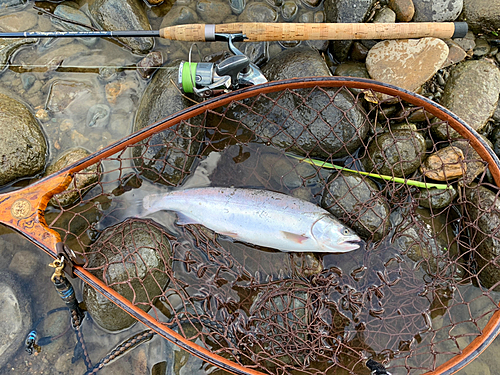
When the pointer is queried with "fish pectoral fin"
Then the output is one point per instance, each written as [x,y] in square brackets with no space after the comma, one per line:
[185,220]
[294,237]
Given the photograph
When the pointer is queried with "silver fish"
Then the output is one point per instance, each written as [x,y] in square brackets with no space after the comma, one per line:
[259,217]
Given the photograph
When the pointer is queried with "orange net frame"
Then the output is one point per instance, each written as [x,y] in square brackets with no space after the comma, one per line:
[420,296]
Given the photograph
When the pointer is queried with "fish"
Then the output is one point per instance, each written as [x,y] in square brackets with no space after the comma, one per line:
[258,217]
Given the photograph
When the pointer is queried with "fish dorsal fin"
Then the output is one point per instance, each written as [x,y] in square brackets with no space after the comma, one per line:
[298,238]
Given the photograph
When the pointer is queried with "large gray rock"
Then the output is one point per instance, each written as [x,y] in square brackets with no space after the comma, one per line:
[437,10]
[23,148]
[471,92]
[123,15]
[73,14]
[345,11]
[166,157]
[133,258]
[310,124]
[16,317]
[482,15]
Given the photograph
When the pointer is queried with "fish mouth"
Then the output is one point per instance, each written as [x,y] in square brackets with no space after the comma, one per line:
[349,245]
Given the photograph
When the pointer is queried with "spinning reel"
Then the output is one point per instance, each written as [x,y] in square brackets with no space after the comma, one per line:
[210,79]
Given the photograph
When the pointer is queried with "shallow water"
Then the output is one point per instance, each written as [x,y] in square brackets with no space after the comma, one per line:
[69,127]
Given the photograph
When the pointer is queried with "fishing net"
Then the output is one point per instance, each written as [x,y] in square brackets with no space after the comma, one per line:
[421,296]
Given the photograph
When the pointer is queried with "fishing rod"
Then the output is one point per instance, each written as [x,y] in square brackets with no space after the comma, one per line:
[260,32]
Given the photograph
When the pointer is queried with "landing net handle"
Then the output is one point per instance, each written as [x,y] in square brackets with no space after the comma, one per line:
[28,219]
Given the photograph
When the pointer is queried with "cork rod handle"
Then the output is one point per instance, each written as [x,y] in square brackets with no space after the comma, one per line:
[260,32]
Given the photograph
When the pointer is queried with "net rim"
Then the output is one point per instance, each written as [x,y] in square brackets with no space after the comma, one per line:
[469,353]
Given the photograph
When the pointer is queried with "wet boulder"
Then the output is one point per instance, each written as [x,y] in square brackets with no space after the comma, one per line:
[471,92]
[436,198]
[321,123]
[23,147]
[483,209]
[398,153]
[134,259]
[83,181]
[357,201]
[76,15]
[166,157]
[428,239]
[123,15]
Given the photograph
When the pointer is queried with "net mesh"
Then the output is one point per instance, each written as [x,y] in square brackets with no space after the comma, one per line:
[420,290]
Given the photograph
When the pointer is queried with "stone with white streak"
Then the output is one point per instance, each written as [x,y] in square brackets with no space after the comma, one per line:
[407,63]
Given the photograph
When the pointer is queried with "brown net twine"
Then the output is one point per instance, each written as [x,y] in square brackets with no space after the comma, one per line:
[416,295]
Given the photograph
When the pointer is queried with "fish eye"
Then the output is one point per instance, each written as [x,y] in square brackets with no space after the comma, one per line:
[346,231]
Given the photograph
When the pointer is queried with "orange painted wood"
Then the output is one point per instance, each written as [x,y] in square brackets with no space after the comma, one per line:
[23,210]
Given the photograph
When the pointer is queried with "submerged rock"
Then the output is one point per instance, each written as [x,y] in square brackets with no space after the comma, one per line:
[483,210]
[428,239]
[133,258]
[398,153]
[356,200]
[166,157]
[123,15]
[9,46]
[70,13]
[23,147]
[16,317]
[318,122]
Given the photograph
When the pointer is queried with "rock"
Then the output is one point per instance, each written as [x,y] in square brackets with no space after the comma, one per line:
[311,3]
[436,198]
[24,263]
[98,116]
[345,11]
[257,52]
[16,317]
[167,156]
[483,209]
[357,201]
[338,130]
[359,52]
[16,22]
[289,11]
[237,6]
[384,15]
[133,258]
[445,164]
[471,93]
[456,53]
[73,14]
[425,238]
[437,10]
[474,162]
[406,63]
[404,9]
[468,42]
[148,65]
[10,5]
[82,182]
[179,15]
[64,93]
[258,12]
[482,48]
[482,16]
[123,15]
[398,153]
[23,148]
[9,46]
[283,172]
[213,11]
[352,69]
